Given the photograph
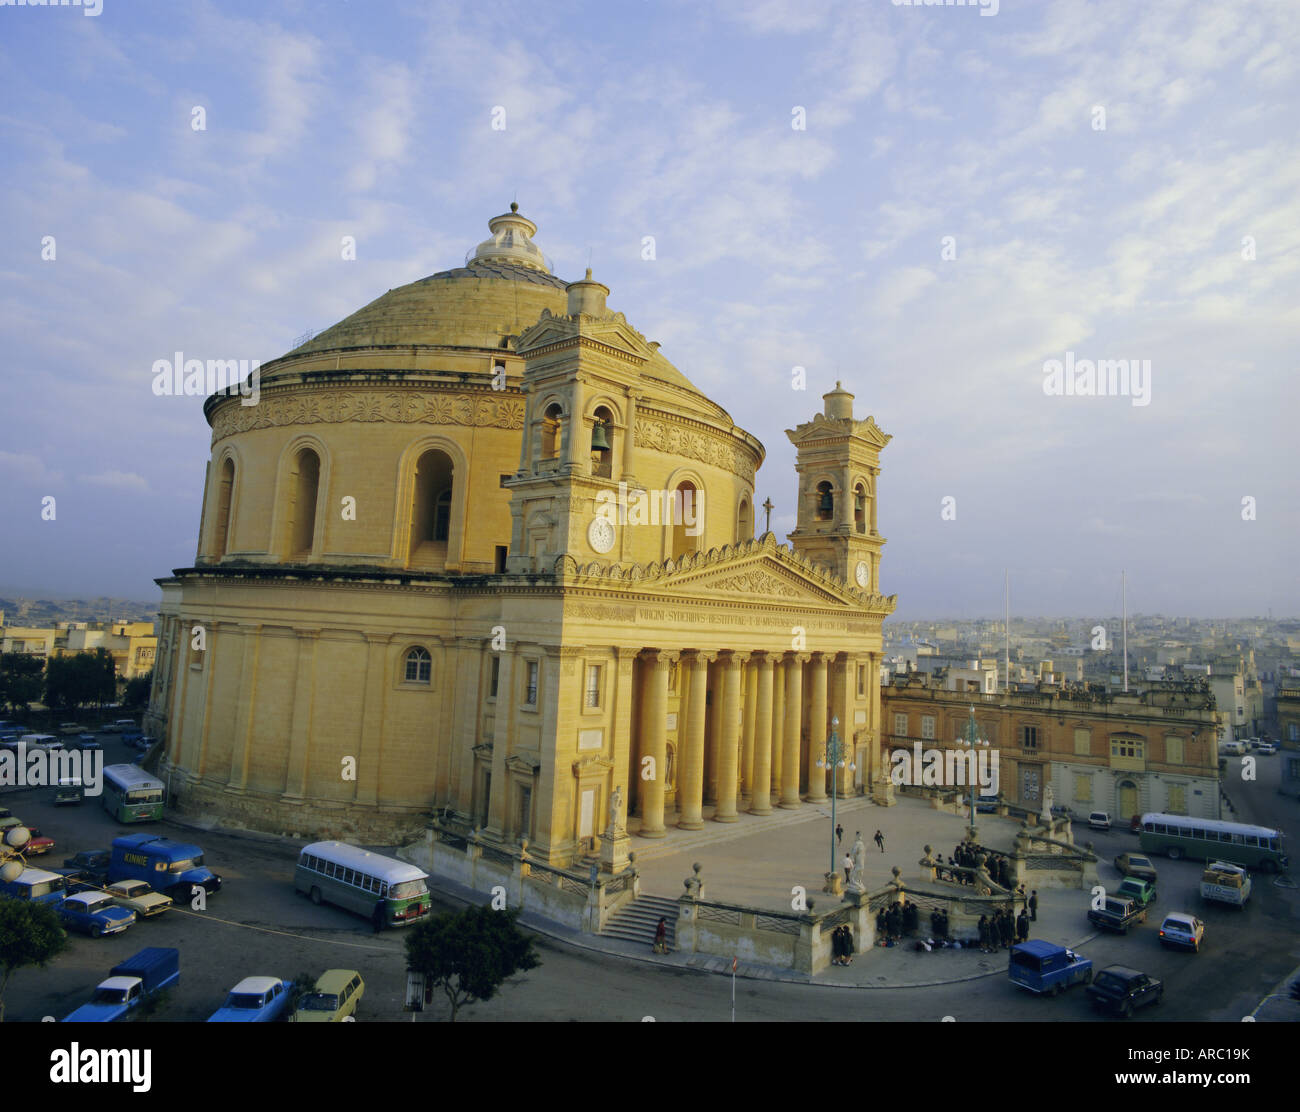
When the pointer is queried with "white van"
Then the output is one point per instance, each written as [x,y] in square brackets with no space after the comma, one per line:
[1099,820]
[1231,748]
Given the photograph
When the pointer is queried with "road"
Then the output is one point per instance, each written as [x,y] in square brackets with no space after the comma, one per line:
[257,924]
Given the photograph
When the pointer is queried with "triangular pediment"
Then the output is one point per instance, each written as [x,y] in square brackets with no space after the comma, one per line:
[610,331]
[759,570]
[832,428]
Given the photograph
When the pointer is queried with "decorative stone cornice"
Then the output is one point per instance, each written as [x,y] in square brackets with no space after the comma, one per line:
[662,432]
[420,403]
[592,766]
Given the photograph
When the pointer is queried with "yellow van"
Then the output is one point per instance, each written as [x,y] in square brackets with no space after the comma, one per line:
[333,1000]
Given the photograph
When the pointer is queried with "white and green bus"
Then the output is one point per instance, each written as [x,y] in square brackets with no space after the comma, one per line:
[132,795]
[389,893]
[1254,847]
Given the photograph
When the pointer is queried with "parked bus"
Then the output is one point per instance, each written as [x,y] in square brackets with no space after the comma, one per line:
[387,892]
[132,795]
[1255,847]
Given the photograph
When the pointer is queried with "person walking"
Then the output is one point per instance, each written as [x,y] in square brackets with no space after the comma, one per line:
[1022,927]
[848,867]
[839,832]
[661,936]
[879,839]
[1033,906]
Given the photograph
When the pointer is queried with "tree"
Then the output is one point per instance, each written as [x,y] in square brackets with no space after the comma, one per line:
[137,691]
[470,953]
[20,680]
[71,681]
[29,935]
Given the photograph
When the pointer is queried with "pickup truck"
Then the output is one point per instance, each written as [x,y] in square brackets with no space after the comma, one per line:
[1047,968]
[1141,892]
[1225,883]
[149,972]
[1117,915]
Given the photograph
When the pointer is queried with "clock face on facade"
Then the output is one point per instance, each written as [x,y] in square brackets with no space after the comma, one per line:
[862,573]
[600,535]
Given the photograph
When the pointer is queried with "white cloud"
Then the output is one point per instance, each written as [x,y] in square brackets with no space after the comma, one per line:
[118,480]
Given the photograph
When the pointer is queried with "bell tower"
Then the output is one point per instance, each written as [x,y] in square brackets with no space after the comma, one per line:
[838,461]
[581,372]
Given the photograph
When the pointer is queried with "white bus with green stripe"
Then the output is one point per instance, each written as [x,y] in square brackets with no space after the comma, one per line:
[379,888]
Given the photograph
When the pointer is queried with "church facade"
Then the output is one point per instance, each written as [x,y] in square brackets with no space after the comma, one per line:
[481,548]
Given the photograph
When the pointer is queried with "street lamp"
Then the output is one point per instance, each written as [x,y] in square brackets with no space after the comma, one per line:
[972,741]
[11,858]
[834,756]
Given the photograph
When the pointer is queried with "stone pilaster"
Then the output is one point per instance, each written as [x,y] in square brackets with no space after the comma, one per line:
[792,731]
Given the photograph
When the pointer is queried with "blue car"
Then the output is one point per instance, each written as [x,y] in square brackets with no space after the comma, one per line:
[254,1000]
[95,913]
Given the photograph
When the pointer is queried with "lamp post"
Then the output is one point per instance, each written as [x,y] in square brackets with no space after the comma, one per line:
[973,742]
[834,757]
[11,853]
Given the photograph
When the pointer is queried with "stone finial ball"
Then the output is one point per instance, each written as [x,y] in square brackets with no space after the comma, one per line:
[697,867]
[896,871]
[928,851]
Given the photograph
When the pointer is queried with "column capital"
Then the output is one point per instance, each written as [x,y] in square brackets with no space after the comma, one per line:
[660,656]
[734,657]
[798,658]
[706,656]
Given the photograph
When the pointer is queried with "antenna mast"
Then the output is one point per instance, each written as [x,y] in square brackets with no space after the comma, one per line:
[1123,586]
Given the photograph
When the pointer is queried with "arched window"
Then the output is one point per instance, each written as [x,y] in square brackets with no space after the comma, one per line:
[687,509]
[745,522]
[602,444]
[225,491]
[302,519]
[860,508]
[431,500]
[825,502]
[419,665]
[552,431]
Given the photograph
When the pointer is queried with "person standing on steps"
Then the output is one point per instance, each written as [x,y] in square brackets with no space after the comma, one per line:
[661,936]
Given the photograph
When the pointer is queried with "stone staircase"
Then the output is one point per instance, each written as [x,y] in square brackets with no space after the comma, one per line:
[637,921]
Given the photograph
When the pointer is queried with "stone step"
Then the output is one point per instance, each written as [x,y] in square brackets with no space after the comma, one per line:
[638,921]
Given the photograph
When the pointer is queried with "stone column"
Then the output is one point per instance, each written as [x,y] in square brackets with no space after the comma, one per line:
[793,723]
[629,440]
[817,719]
[690,776]
[844,511]
[729,737]
[760,802]
[654,741]
[747,730]
[778,722]
[300,717]
[875,471]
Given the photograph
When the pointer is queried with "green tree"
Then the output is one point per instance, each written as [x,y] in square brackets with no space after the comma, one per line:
[137,691]
[21,679]
[469,954]
[71,681]
[29,935]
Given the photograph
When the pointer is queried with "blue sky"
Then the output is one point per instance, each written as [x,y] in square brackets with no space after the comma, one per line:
[775,247]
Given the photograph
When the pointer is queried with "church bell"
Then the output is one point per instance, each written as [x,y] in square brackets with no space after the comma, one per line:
[599,441]
[827,505]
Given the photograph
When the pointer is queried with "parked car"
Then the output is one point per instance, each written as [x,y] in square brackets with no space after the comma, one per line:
[38,843]
[95,913]
[74,881]
[1141,892]
[1120,990]
[91,864]
[1117,915]
[333,999]
[68,793]
[87,741]
[137,896]
[254,1000]
[1266,748]
[1098,820]
[1135,864]
[1181,928]
[67,729]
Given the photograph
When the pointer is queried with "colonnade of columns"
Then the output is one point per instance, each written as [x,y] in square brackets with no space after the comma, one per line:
[756,735]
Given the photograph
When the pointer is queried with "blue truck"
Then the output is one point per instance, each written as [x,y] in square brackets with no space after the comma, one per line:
[1046,968]
[172,868]
[129,982]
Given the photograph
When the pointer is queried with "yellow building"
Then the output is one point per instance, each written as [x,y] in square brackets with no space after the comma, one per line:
[481,547]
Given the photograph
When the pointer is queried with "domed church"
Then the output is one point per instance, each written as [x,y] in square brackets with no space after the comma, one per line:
[481,549]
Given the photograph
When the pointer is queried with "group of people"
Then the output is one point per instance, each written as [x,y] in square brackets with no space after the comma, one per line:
[897,920]
[842,945]
[1000,931]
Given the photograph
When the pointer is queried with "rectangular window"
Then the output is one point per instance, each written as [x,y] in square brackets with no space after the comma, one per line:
[1173,750]
[530,688]
[593,685]
[1177,799]
[1028,737]
[1128,747]
[495,671]
[927,726]
[1082,788]
[1082,742]
[862,679]
[900,725]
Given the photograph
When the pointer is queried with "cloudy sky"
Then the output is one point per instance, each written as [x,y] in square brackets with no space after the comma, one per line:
[969,197]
